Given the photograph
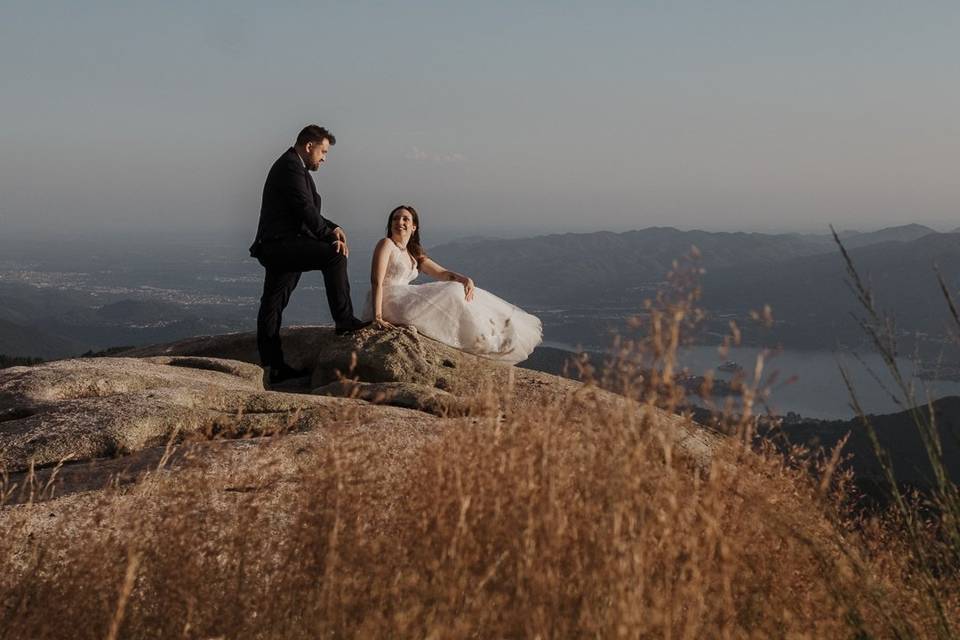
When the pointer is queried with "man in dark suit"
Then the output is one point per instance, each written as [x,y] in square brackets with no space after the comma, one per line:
[293,237]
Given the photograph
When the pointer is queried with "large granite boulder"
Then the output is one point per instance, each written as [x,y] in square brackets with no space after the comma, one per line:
[396,386]
[104,407]
[403,368]
[370,355]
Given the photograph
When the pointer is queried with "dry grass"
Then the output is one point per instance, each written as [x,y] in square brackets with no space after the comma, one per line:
[541,525]
[573,519]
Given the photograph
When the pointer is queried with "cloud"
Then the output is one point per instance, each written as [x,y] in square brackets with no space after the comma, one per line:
[420,155]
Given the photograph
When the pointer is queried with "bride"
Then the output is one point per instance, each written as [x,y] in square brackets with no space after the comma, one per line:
[452,311]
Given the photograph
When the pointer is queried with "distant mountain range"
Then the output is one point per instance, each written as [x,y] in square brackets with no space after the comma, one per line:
[587,268]
[903,233]
[801,276]
[813,291]
[579,283]
[36,323]
[604,266]
[129,322]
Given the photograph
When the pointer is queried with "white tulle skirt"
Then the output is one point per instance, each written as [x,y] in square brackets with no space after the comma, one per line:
[486,326]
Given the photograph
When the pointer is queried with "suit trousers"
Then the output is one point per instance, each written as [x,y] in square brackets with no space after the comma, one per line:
[284,261]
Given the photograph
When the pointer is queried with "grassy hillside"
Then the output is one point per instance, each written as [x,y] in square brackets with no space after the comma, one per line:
[569,518]
[538,525]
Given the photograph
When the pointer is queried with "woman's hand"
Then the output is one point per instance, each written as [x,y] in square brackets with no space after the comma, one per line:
[380,323]
[468,287]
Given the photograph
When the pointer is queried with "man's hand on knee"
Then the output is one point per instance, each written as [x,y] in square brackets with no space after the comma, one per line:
[340,242]
[341,247]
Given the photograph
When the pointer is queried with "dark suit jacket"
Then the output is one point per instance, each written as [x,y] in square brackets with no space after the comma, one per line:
[291,204]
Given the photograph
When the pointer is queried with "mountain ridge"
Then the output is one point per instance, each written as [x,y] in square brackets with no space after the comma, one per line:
[603,273]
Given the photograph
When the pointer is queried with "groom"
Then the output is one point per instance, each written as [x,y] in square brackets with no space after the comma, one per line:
[293,237]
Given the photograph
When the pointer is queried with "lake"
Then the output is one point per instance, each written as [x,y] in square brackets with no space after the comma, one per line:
[810,383]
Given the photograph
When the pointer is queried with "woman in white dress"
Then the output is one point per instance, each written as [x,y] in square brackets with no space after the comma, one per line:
[453,310]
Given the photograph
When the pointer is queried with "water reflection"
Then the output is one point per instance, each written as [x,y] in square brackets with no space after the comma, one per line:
[810,383]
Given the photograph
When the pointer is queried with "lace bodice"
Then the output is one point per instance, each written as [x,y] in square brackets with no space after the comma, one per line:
[401,268]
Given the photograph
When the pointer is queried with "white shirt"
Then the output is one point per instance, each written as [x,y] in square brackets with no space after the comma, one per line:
[301,158]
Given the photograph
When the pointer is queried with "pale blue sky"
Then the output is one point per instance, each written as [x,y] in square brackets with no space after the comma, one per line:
[491,118]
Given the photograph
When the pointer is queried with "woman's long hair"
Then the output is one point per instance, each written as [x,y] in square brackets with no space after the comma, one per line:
[413,246]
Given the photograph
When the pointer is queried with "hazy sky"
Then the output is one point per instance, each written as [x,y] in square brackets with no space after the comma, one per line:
[490,117]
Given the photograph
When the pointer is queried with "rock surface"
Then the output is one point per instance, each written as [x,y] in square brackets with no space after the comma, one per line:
[399,394]
[400,355]
[123,415]
[82,409]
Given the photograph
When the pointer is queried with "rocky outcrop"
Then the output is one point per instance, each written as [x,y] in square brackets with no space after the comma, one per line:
[400,384]
[104,407]
[400,355]
[416,368]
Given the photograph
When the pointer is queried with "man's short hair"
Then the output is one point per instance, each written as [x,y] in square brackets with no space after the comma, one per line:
[315,133]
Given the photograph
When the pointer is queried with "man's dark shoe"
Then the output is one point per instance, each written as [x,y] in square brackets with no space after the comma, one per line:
[286,372]
[356,325]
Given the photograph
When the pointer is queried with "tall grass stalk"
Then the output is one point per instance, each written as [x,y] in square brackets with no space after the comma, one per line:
[931,559]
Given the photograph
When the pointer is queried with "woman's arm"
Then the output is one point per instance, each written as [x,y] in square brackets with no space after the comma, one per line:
[433,269]
[378,271]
